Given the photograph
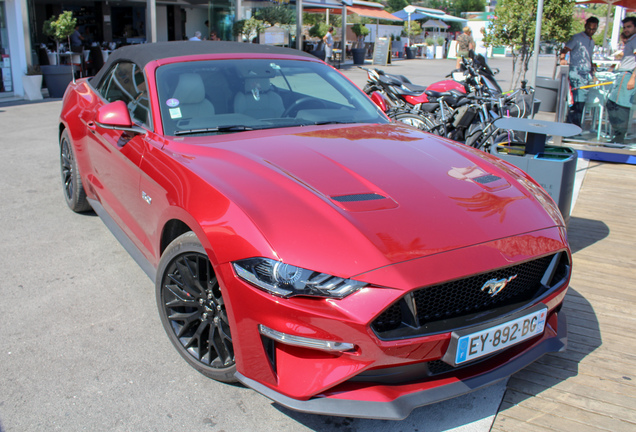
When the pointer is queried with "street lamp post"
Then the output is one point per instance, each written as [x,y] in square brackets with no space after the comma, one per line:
[409,10]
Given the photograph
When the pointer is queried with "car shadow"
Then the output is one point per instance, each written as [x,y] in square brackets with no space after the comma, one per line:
[476,409]
[585,232]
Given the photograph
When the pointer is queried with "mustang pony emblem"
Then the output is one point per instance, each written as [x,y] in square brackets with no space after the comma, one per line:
[494,286]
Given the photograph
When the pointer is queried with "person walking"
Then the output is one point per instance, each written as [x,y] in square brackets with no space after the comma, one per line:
[465,44]
[328,40]
[622,96]
[581,73]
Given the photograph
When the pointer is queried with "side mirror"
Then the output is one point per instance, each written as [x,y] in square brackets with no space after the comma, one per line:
[379,100]
[115,116]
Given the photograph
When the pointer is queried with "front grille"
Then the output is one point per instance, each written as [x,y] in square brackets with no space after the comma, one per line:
[437,308]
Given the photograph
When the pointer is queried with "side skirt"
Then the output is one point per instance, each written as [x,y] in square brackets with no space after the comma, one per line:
[124,240]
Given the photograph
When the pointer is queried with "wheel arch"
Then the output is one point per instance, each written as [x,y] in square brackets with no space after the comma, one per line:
[171,230]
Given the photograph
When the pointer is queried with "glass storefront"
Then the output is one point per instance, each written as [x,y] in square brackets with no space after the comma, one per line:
[608,117]
[6,81]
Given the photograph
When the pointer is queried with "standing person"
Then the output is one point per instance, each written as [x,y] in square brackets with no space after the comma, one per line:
[76,41]
[197,36]
[328,40]
[465,43]
[622,95]
[581,49]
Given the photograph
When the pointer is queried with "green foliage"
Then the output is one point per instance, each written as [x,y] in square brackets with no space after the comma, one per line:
[429,41]
[248,27]
[319,30]
[441,41]
[416,29]
[277,14]
[335,19]
[361,31]
[396,5]
[60,28]
[515,23]
[459,6]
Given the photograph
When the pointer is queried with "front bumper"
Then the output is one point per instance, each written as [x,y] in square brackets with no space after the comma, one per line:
[553,340]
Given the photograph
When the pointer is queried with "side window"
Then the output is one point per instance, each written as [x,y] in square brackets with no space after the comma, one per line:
[126,82]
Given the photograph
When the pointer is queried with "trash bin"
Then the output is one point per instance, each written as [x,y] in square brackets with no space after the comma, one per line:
[554,169]
[547,90]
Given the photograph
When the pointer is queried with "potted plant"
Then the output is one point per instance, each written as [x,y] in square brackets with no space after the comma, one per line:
[411,29]
[58,77]
[32,83]
[319,30]
[430,49]
[439,48]
[359,53]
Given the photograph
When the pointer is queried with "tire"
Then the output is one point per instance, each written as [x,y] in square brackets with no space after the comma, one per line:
[474,134]
[74,192]
[414,120]
[192,309]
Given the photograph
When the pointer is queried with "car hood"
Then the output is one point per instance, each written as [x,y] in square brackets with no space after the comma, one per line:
[348,199]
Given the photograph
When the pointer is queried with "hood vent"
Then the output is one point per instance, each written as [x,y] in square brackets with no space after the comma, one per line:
[357,197]
[486,179]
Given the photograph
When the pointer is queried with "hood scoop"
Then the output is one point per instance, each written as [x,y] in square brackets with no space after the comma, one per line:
[357,197]
[363,202]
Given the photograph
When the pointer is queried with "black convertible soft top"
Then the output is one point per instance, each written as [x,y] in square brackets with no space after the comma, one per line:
[145,53]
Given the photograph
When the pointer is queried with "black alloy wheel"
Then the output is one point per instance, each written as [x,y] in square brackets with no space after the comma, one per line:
[74,192]
[192,309]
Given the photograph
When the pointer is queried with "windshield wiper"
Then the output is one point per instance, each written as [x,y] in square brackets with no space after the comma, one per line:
[233,128]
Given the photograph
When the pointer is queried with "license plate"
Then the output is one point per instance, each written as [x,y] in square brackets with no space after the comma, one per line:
[497,338]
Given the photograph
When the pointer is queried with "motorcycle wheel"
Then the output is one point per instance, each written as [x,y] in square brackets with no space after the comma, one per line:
[414,120]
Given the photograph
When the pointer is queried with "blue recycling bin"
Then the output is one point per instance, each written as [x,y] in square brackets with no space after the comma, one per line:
[554,168]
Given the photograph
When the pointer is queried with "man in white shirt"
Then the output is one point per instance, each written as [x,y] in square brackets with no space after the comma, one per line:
[197,36]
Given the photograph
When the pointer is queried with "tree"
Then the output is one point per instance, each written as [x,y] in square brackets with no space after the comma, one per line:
[249,28]
[277,14]
[396,5]
[60,28]
[514,26]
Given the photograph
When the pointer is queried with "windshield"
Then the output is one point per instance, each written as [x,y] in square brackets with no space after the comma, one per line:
[226,96]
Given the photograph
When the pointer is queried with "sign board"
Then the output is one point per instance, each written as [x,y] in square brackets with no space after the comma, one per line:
[381,52]
[273,36]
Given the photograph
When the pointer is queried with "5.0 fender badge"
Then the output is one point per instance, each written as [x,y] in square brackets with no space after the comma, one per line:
[494,286]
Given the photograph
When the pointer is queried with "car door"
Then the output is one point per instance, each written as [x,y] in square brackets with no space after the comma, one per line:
[116,156]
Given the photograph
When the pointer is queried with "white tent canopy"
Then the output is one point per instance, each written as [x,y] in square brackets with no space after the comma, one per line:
[435,24]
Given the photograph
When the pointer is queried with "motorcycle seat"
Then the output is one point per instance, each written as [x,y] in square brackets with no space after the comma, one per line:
[414,87]
[436,94]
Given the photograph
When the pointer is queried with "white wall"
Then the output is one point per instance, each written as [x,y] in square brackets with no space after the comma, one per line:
[195,20]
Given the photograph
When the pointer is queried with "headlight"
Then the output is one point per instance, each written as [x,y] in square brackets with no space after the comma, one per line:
[286,280]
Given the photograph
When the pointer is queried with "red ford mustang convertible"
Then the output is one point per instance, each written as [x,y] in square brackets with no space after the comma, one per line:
[303,244]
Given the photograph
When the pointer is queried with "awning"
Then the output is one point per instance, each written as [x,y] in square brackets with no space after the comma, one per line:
[421,13]
[371,12]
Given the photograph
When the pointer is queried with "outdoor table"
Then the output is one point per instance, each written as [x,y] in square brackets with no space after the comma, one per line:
[537,131]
